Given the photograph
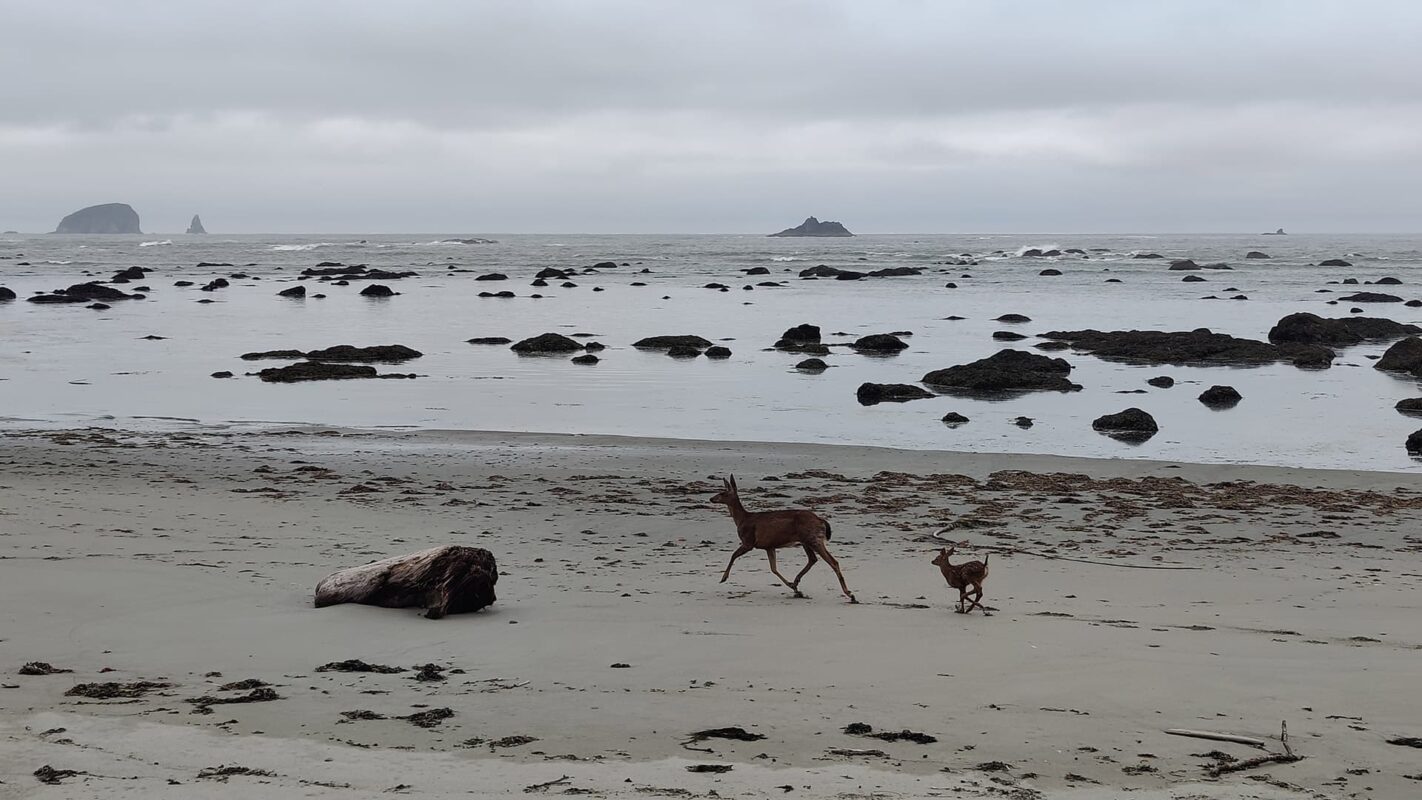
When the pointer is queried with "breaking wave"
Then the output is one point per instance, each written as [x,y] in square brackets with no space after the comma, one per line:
[155,244]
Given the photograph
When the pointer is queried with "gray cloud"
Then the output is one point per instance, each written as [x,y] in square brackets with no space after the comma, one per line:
[727,116]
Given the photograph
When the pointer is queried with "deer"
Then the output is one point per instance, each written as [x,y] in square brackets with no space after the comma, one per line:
[772,530]
[962,576]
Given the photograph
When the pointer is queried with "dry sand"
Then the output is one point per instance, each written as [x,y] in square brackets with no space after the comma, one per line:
[188,560]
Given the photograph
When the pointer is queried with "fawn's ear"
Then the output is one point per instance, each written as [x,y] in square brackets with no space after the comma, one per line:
[733,484]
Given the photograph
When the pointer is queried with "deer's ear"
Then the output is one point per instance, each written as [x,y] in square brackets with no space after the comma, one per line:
[733,483]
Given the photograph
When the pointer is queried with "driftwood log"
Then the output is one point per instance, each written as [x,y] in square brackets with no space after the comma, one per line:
[444,580]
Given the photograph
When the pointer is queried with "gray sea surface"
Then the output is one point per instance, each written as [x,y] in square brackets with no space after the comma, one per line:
[71,366]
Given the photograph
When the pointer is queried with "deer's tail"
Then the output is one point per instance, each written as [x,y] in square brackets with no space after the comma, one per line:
[827,530]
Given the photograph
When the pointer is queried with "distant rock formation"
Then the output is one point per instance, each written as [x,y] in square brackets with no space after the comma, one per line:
[106,218]
[196,225]
[813,227]
[1279,232]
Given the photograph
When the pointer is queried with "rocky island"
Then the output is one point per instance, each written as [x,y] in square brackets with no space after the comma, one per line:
[813,227]
[106,218]
[196,225]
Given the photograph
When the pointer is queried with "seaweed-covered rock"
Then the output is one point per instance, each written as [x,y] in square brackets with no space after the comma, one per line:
[1412,405]
[1014,318]
[492,276]
[1403,356]
[1008,336]
[1050,272]
[1005,372]
[717,351]
[547,343]
[1197,347]
[1161,381]
[873,393]
[316,371]
[1414,443]
[953,419]
[667,342]
[801,334]
[389,353]
[1371,297]
[1306,328]
[879,343]
[895,272]
[812,365]
[378,290]
[443,580]
[1256,254]
[1221,397]
[586,358]
[295,291]
[489,340]
[1334,262]
[683,351]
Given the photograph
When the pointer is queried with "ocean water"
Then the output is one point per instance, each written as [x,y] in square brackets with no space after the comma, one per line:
[67,365]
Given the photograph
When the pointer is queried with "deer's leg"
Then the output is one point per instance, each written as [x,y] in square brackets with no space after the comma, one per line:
[770,555]
[962,599]
[810,552]
[834,565]
[740,551]
[977,601]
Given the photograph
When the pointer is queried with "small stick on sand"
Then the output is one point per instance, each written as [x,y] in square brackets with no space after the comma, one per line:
[1286,757]
[540,787]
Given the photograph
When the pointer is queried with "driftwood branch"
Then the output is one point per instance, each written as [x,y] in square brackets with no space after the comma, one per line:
[1219,737]
[1004,549]
[542,787]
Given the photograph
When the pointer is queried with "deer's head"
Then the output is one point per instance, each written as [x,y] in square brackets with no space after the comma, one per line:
[727,493]
[941,560]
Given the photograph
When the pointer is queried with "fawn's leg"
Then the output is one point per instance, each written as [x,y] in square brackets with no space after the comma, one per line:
[770,556]
[962,600]
[809,551]
[834,565]
[740,551]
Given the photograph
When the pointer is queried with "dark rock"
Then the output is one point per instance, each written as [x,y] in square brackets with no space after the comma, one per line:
[1184,264]
[1007,336]
[664,342]
[6,294]
[295,291]
[586,358]
[605,265]
[492,276]
[1052,346]
[1161,381]
[328,268]
[715,286]
[1022,422]
[195,227]
[1414,443]
[385,275]
[895,272]
[1412,405]
[1198,347]
[953,419]
[215,284]
[377,290]
[1256,254]
[547,343]
[1387,281]
[182,283]
[1050,272]
[812,365]
[283,354]
[848,275]
[132,274]
[820,271]
[879,343]
[594,347]
[489,340]
[1403,356]
[551,272]
[539,283]
[1193,279]
[1306,328]
[388,353]
[1132,423]
[1147,255]
[1005,372]
[1349,282]
[1014,318]
[801,334]
[99,306]
[222,374]
[1371,297]
[84,293]
[873,393]
[1221,397]
[1334,262]
[718,352]
[683,351]
[1413,304]
[315,371]
[813,227]
[106,218]
[1032,252]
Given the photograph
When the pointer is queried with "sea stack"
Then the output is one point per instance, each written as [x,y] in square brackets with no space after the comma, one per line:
[106,218]
[196,225]
[813,227]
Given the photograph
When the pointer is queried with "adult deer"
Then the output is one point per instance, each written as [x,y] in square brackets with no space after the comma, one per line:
[772,530]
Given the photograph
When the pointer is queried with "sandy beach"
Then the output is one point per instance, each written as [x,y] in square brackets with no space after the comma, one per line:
[176,564]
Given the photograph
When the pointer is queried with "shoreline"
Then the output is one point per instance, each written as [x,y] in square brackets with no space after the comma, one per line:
[168,557]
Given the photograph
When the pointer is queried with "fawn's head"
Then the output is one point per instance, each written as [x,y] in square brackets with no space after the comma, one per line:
[727,493]
[941,560]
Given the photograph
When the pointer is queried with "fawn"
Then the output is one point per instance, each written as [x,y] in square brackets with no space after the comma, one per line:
[962,576]
[771,530]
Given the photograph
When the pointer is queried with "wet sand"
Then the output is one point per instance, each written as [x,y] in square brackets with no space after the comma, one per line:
[187,561]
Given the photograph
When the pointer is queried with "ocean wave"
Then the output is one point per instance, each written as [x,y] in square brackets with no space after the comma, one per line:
[290,248]
[155,244]
[1043,247]
[785,258]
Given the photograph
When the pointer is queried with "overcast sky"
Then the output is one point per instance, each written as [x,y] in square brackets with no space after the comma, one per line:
[470,116]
